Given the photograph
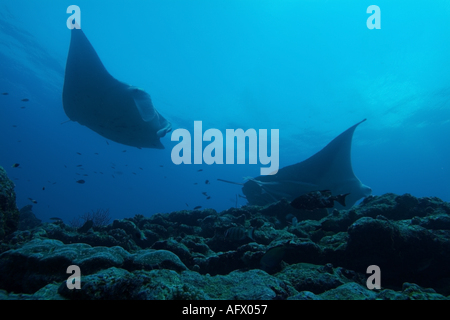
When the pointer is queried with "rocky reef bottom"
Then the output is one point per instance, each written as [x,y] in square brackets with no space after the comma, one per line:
[254,253]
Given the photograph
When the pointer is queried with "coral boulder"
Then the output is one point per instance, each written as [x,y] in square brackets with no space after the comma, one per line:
[9,214]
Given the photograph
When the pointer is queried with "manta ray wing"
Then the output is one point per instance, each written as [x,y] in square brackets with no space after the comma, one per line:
[113,109]
[329,169]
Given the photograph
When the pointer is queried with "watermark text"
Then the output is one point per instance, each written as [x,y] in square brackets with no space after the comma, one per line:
[213,152]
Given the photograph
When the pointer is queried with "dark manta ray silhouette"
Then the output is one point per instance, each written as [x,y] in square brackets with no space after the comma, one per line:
[113,109]
[329,169]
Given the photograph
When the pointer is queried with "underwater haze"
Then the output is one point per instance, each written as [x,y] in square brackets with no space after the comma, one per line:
[310,69]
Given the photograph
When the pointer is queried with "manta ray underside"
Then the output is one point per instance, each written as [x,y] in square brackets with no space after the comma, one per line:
[113,109]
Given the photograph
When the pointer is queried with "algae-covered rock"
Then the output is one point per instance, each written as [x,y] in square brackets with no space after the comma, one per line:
[410,291]
[402,251]
[349,291]
[250,285]
[110,284]
[185,255]
[312,278]
[40,262]
[9,214]
[157,259]
[118,284]
[27,219]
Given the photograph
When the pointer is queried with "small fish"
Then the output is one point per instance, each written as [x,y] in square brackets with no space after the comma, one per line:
[141,168]
[15,165]
[199,170]
[96,153]
[273,257]
[113,176]
[239,233]
[107,142]
[317,200]
[85,175]
[195,183]
[133,172]
[86,226]
[25,100]
[56,219]
[14,126]
[34,201]
[43,188]
[80,165]
[22,107]
[5,93]
[186,204]
[124,151]
[204,193]
[80,181]
[208,197]
[294,221]
[79,153]
[161,166]
[207,182]
[197,207]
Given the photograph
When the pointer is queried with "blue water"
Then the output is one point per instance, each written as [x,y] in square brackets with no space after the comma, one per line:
[308,68]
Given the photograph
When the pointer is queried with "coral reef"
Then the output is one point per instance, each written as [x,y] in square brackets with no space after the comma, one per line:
[186,255]
[9,214]
[99,217]
[27,219]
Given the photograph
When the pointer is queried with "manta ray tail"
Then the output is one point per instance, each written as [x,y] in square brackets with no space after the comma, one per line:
[240,184]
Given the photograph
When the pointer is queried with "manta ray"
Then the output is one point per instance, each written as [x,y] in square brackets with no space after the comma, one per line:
[329,169]
[115,110]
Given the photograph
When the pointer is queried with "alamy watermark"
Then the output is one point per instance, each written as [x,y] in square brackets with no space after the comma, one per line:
[374,21]
[74,281]
[374,281]
[74,21]
[213,152]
